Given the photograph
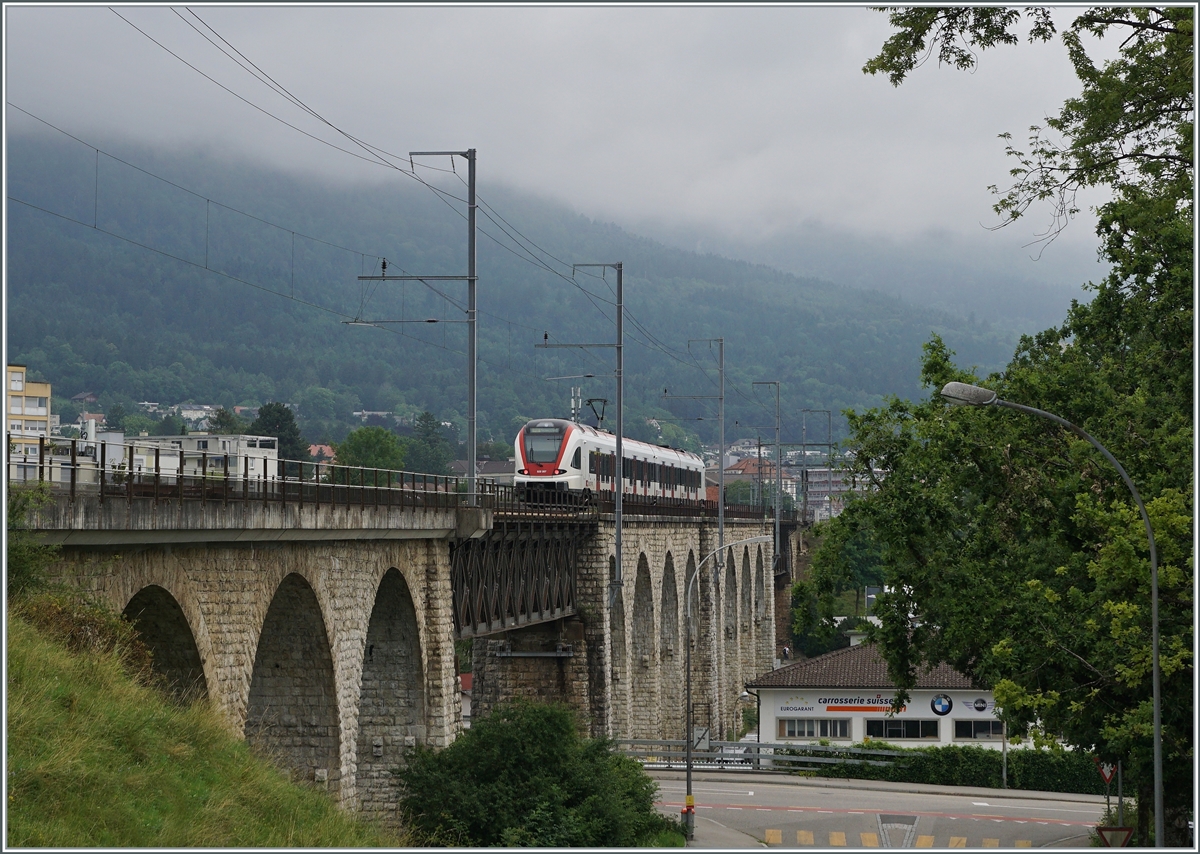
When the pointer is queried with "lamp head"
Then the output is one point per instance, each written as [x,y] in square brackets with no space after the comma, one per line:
[962,394]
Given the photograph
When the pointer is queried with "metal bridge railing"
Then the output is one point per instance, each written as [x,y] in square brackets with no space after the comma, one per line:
[131,470]
[748,755]
[140,469]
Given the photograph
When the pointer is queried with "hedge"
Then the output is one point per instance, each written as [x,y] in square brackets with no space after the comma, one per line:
[1069,771]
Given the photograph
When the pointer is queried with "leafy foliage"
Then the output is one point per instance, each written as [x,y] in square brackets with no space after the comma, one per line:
[1011,549]
[27,557]
[524,777]
[228,422]
[131,321]
[970,765]
[371,448]
[276,419]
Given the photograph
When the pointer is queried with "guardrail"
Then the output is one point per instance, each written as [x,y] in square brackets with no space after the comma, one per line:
[671,754]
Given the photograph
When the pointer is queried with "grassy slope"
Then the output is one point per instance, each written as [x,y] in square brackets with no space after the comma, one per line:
[96,760]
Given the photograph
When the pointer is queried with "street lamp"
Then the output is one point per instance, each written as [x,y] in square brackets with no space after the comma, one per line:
[690,802]
[962,394]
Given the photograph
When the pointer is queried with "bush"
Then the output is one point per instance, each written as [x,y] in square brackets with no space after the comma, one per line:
[27,557]
[524,777]
[1069,771]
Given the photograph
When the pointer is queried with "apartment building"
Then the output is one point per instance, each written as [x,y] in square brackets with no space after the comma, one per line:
[28,420]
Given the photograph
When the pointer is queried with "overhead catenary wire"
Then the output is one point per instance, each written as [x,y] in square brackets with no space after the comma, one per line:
[651,341]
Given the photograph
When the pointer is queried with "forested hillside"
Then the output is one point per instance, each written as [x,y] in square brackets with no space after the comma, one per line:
[89,311]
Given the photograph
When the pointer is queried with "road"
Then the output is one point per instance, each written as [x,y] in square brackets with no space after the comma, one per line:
[792,812]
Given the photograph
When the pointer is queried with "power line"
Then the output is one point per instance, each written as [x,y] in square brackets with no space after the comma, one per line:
[652,342]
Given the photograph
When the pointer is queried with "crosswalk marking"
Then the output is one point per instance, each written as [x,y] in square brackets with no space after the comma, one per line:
[836,837]
[774,837]
[804,837]
[924,842]
[958,842]
[869,840]
[991,843]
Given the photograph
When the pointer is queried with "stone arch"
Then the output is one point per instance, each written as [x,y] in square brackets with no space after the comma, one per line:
[746,648]
[730,636]
[643,680]
[391,710]
[670,655]
[764,625]
[619,668]
[163,627]
[292,712]
[704,664]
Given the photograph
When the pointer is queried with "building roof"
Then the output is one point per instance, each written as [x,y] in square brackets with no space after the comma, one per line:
[858,666]
[324,452]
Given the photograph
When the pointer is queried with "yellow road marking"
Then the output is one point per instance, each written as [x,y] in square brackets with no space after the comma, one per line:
[1024,843]
[775,837]
[804,837]
[924,842]
[958,842]
[869,840]
[991,843]
[836,837]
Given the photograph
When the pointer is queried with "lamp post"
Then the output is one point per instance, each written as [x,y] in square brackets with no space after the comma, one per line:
[962,394]
[690,803]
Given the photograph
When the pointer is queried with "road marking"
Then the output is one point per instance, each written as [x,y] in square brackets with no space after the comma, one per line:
[739,809]
[854,812]
[826,811]
[804,837]
[793,810]
[869,840]
[836,837]
[705,808]
[1024,843]
[774,837]
[958,842]
[980,804]
[924,842]
[763,809]
[991,843]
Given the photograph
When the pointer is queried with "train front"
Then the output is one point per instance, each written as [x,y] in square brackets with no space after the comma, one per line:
[541,447]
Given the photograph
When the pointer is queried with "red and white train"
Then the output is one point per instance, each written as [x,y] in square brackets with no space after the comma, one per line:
[556,454]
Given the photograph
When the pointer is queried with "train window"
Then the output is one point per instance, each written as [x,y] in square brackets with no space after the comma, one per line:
[576,461]
[542,442]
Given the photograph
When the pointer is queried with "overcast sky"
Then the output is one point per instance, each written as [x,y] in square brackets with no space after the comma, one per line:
[745,122]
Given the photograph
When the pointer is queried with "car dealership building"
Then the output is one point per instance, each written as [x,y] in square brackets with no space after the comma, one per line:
[846,696]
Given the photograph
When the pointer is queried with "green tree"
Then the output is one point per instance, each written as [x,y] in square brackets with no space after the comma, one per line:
[428,451]
[523,776]
[27,558]
[114,419]
[275,419]
[227,422]
[1010,548]
[371,447]
[171,425]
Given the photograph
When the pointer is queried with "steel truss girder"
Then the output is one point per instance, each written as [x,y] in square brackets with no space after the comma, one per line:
[518,574]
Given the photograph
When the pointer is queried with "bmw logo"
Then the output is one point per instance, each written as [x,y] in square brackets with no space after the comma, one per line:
[941,704]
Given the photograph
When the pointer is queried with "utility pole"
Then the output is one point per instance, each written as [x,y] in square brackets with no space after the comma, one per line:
[828,460]
[617,582]
[720,397]
[472,280]
[778,471]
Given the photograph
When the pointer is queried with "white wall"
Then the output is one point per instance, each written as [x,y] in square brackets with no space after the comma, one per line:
[829,703]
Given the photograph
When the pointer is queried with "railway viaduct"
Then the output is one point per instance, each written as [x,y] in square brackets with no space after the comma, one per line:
[324,631]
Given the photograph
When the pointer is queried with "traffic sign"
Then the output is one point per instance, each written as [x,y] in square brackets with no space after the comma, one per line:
[1106,771]
[1115,837]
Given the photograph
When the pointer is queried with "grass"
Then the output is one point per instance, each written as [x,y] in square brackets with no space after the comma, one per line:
[97,759]
[666,839]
